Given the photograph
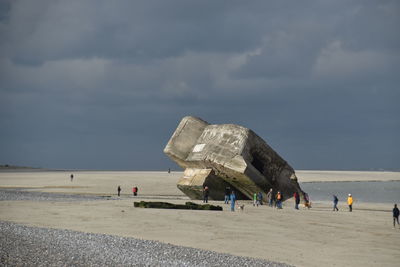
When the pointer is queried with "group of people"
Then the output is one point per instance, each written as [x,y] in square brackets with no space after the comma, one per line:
[349,202]
[275,199]
[257,199]
[230,196]
[135,190]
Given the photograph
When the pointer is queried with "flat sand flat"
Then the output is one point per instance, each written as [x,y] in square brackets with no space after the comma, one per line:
[315,237]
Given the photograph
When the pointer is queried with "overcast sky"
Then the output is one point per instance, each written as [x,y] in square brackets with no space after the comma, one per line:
[103,84]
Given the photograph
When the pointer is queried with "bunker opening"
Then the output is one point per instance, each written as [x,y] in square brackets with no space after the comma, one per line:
[258,162]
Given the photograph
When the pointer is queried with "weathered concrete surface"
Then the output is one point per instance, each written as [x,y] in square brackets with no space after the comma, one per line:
[227,155]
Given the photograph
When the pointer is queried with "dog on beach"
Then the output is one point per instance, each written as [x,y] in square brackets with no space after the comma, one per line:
[241,207]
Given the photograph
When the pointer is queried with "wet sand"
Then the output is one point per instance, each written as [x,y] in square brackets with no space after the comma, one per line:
[315,237]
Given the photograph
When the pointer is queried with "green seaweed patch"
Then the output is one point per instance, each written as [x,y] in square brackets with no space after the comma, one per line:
[166,205]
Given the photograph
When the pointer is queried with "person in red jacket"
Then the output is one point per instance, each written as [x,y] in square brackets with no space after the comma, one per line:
[135,191]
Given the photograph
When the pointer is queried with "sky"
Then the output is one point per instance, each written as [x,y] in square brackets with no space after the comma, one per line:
[102,85]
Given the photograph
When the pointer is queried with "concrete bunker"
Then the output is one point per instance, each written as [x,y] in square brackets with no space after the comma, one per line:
[227,155]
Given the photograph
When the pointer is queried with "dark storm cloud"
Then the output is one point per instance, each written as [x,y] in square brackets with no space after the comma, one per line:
[139,30]
[103,84]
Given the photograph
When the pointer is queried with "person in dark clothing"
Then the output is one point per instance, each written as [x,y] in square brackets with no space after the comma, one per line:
[335,202]
[227,194]
[119,190]
[296,200]
[72,177]
[260,198]
[395,215]
[205,194]
[270,197]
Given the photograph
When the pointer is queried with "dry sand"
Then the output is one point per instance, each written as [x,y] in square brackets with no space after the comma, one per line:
[346,176]
[315,237]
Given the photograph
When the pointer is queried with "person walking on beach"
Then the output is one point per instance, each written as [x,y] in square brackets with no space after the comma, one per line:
[205,194]
[307,201]
[335,202]
[227,193]
[395,216]
[135,190]
[279,200]
[270,197]
[72,177]
[350,202]
[296,200]
[255,200]
[119,190]
[233,200]
[260,198]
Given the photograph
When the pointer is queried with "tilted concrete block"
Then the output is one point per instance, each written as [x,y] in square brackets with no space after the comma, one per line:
[227,155]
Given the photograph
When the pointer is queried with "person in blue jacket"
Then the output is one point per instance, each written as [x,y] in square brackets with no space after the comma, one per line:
[335,202]
[233,200]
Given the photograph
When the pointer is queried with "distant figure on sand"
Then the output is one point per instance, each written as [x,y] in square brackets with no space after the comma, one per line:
[119,190]
[335,202]
[227,193]
[255,202]
[135,190]
[270,197]
[395,215]
[169,170]
[296,200]
[72,177]
[279,200]
[350,202]
[206,192]
[260,198]
[233,200]
[307,201]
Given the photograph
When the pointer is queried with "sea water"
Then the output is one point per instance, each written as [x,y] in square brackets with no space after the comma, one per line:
[379,192]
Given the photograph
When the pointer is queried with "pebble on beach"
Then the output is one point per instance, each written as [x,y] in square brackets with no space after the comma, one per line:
[22,245]
[33,246]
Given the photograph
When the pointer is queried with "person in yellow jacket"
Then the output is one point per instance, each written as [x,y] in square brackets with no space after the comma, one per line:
[350,202]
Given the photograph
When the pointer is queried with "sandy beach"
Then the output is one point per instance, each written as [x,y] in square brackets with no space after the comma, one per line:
[315,237]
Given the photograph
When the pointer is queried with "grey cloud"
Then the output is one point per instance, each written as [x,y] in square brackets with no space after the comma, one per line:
[103,84]
[54,30]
